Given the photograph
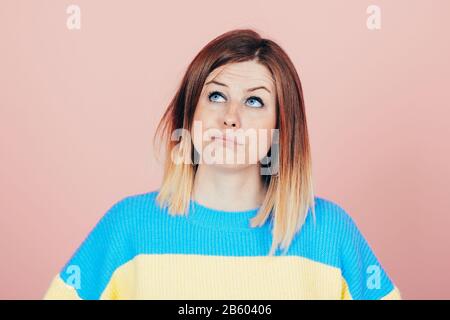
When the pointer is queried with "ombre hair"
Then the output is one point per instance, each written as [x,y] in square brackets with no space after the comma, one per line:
[290,192]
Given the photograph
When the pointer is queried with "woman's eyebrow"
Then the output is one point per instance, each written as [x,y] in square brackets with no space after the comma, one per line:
[248,90]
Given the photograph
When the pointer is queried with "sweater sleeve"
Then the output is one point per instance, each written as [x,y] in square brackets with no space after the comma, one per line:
[363,276]
[87,273]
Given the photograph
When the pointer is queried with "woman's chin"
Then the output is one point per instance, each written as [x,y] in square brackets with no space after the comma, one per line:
[231,167]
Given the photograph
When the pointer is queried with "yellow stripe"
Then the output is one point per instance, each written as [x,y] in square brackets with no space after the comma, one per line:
[172,276]
[346,295]
[59,290]
[393,295]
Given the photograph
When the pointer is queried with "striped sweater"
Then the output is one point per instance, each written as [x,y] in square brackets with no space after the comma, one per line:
[139,251]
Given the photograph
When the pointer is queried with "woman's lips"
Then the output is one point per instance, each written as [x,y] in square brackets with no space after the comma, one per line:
[234,141]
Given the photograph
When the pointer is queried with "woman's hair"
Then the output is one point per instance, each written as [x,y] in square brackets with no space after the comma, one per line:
[290,192]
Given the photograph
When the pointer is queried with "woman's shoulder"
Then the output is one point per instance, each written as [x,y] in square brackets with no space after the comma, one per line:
[133,206]
[121,221]
[327,229]
[331,215]
[339,236]
[111,242]
[136,201]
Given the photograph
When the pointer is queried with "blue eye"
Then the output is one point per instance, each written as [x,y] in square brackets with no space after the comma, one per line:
[214,95]
[256,100]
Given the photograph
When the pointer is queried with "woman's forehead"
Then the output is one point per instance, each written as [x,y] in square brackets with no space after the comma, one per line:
[248,73]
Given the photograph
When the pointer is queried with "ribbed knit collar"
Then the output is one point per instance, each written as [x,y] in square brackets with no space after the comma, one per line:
[219,219]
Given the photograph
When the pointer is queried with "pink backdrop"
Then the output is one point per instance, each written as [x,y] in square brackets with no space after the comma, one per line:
[78,109]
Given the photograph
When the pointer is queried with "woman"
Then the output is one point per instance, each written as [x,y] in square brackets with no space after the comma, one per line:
[237,189]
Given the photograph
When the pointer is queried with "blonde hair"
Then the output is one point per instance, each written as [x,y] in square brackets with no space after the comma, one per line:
[289,193]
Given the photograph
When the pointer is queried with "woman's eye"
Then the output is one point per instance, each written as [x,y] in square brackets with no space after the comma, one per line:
[215,96]
[255,102]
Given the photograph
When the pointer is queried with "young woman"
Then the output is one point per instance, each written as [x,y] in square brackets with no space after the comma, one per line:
[235,216]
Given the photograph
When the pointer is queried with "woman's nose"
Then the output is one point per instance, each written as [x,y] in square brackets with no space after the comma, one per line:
[231,118]
[230,122]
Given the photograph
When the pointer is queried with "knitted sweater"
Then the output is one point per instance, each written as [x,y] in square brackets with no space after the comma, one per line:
[139,251]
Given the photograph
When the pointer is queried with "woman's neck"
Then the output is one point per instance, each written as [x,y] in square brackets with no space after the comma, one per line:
[229,189]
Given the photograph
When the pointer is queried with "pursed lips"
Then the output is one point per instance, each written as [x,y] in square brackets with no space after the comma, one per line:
[224,138]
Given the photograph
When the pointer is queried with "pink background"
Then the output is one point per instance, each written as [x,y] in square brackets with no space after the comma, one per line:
[78,110]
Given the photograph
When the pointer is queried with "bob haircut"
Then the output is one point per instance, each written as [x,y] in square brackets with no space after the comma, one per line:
[289,192]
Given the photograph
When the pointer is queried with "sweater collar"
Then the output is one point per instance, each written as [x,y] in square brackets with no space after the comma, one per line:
[220,219]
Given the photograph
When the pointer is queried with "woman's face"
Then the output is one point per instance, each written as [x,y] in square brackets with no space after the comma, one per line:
[238,102]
